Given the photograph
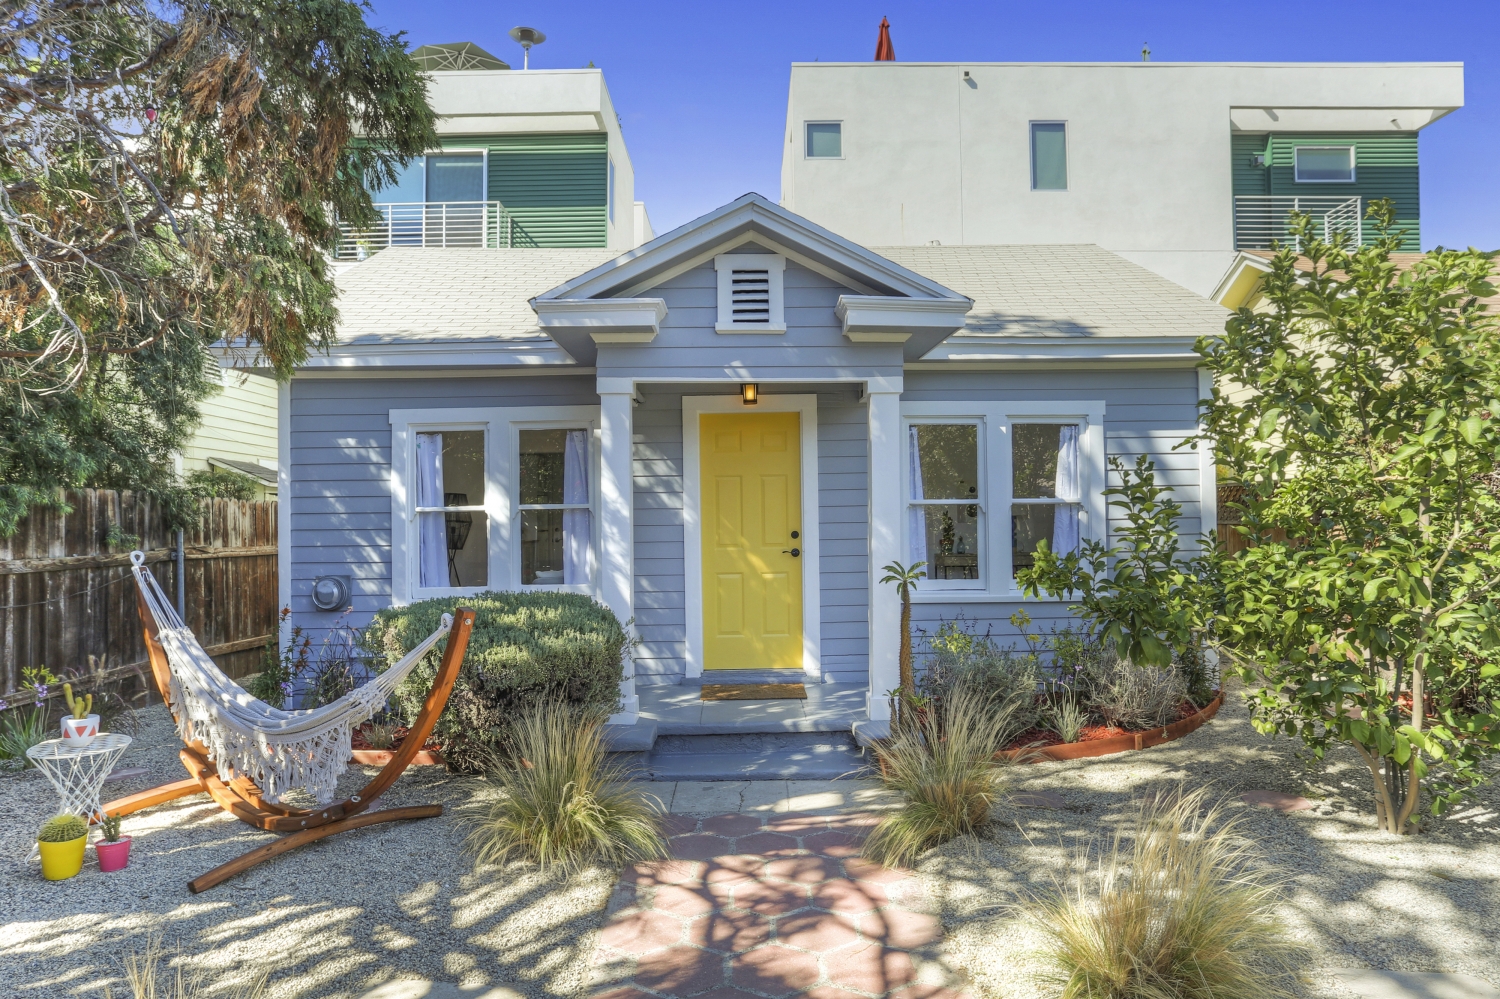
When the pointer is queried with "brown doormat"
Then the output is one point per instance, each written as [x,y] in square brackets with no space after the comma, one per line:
[753,692]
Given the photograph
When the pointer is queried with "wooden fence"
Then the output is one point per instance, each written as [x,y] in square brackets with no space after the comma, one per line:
[66,592]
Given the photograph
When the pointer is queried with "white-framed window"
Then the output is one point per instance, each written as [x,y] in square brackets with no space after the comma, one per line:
[986,482]
[1323,164]
[750,293]
[493,499]
[1049,156]
[824,140]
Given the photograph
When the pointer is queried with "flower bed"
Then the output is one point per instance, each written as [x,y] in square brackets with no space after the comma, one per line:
[1099,740]
[363,753]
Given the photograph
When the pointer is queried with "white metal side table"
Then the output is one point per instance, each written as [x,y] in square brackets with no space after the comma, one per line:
[78,772]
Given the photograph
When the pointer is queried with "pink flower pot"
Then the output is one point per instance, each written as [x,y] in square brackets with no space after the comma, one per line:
[79,732]
[113,856]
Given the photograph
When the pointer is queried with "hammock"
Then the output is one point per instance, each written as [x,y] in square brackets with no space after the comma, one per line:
[277,750]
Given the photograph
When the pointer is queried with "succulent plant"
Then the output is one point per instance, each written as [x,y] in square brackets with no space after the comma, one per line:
[80,706]
[62,828]
[110,826]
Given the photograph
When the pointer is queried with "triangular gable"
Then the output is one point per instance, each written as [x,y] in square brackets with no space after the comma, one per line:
[888,302]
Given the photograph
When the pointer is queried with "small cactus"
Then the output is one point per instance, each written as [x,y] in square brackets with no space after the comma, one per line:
[62,828]
[110,826]
[80,706]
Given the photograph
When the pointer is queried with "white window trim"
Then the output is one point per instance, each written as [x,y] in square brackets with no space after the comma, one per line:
[1353,151]
[1031,154]
[822,121]
[502,429]
[775,266]
[806,406]
[996,419]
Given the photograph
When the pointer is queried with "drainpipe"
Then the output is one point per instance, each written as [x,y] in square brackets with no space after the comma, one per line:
[181,580]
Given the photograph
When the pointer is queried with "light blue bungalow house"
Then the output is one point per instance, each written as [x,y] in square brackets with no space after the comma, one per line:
[724,434]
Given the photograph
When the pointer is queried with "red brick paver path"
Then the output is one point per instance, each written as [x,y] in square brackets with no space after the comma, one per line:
[777,907]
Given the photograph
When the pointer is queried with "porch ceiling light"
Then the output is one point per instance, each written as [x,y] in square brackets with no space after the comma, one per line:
[749,393]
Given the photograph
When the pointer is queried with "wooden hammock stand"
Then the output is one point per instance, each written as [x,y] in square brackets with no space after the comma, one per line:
[242,799]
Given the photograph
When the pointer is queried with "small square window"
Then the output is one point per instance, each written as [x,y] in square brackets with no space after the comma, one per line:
[452,529]
[1324,164]
[1049,156]
[825,140]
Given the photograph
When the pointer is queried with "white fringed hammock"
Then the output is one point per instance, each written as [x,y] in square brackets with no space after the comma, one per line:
[277,750]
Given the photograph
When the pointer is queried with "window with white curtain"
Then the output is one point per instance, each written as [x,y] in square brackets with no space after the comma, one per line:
[1046,490]
[556,526]
[452,529]
[946,496]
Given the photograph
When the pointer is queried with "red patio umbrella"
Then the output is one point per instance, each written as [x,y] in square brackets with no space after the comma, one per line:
[884,50]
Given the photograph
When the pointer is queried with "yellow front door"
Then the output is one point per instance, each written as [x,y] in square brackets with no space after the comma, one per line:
[752,521]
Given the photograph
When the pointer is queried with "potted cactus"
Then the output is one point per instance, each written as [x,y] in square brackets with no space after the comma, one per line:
[113,849]
[61,841]
[79,726]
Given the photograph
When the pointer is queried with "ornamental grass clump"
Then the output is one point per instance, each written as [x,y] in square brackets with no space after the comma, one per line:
[561,803]
[945,766]
[1180,908]
[152,974]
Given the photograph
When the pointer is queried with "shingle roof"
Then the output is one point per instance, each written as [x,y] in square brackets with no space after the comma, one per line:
[427,293]
[1061,291]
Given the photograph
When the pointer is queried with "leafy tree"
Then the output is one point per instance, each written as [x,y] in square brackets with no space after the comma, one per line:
[1143,595]
[172,174]
[1359,414]
[221,483]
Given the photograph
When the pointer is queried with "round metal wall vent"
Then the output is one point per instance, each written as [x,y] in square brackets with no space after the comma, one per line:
[330,593]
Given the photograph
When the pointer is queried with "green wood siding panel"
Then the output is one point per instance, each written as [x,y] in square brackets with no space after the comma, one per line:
[555,186]
[1385,167]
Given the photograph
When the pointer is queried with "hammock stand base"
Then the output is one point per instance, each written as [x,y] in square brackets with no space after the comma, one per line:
[242,799]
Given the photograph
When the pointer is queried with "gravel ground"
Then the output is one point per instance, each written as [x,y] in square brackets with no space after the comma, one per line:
[1358,898]
[341,916]
[332,919]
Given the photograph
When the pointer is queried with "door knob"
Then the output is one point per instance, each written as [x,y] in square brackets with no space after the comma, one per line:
[793,552]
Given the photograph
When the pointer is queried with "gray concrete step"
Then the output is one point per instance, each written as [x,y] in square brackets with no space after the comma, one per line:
[754,756]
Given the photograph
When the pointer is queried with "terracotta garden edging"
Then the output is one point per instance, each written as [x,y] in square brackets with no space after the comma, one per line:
[1119,743]
[380,757]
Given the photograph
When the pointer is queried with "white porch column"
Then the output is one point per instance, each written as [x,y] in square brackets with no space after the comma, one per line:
[617,530]
[885,547]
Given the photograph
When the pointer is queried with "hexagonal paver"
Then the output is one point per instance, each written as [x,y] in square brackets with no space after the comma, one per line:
[849,896]
[873,969]
[681,901]
[898,927]
[663,872]
[769,898]
[815,930]
[697,846]
[622,993]
[728,992]
[680,971]
[732,825]
[834,844]
[867,870]
[804,870]
[641,932]
[729,932]
[678,825]
[733,870]
[775,970]
[797,823]
[767,845]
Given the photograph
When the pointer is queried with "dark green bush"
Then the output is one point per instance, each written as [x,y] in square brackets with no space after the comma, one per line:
[526,648]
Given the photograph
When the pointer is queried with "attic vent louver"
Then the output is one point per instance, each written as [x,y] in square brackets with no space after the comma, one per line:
[750,295]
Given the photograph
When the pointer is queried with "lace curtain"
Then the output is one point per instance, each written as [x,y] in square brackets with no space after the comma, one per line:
[432,530]
[577,526]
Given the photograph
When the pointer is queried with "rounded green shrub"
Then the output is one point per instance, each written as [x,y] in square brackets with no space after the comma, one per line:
[62,828]
[525,648]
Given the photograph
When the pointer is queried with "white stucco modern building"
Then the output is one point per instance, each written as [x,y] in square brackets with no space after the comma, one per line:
[1174,166]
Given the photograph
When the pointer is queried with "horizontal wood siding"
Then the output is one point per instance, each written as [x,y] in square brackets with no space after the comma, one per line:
[340,501]
[660,566]
[1146,412]
[1385,167]
[814,346]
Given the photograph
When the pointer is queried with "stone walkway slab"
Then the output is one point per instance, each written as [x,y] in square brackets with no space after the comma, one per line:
[777,906]
[1373,984]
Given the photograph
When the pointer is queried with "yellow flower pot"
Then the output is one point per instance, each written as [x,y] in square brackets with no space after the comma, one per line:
[62,860]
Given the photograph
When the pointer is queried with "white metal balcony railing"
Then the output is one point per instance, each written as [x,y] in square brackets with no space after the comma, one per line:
[1261,219]
[431,223]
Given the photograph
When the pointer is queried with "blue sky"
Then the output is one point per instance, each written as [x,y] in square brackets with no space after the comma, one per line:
[701,88]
